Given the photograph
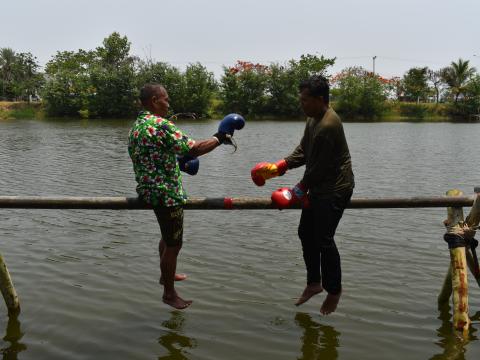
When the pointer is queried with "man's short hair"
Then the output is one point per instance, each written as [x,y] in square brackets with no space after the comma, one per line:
[147,91]
[317,85]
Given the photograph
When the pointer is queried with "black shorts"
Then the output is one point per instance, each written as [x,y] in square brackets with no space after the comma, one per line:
[170,220]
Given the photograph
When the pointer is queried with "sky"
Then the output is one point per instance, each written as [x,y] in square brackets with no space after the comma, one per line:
[401,34]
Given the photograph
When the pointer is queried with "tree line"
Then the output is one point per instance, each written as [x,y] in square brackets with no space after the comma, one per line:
[104,83]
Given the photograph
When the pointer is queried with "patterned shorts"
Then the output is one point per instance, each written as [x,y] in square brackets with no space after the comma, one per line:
[170,220]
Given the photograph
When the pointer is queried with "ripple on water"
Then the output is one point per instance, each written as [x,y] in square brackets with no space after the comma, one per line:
[88,280]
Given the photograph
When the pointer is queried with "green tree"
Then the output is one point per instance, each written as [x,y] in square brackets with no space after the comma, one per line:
[166,75]
[283,81]
[20,77]
[113,78]
[415,84]
[115,51]
[456,76]
[435,79]
[470,103]
[282,87]
[198,90]
[99,83]
[68,89]
[7,65]
[309,65]
[359,93]
[243,89]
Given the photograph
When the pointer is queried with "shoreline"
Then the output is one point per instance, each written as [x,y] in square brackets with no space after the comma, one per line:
[35,111]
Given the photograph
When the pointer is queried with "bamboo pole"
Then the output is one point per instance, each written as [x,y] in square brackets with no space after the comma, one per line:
[8,290]
[472,221]
[454,216]
[236,203]
[458,265]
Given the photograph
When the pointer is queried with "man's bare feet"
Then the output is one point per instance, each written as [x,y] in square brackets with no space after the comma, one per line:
[178,277]
[177,302]
[310,290]
[330,303]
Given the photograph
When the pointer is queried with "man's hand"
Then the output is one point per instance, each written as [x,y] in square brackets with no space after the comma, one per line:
[285,198]
[264,171]
[188,164]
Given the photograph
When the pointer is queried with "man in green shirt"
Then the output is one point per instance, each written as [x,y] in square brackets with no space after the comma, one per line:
[154,144]
[324,191]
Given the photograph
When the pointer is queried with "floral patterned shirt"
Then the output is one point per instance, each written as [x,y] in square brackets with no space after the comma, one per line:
[153,146]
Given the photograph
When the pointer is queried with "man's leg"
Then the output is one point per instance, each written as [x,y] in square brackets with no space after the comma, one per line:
[168,265]
[161,249]
[311,256]
[328,213]
[171,226]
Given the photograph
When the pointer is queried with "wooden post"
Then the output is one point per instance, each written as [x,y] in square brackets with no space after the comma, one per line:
[472,221]
[454,215]
[458,266]
[8,291]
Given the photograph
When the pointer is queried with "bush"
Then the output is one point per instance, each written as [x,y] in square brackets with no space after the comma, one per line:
[413,110]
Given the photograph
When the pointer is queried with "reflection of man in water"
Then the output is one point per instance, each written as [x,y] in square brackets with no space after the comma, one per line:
[173,340]
[318,341]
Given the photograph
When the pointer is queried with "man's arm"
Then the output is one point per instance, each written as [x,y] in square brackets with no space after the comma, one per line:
[204,146]
[296,158]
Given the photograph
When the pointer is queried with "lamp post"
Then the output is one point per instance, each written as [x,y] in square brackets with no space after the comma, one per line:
[374,64]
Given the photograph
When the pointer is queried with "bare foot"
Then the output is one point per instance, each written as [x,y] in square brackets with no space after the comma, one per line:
[310,290]
[330,303]
[177,302]
[178,277]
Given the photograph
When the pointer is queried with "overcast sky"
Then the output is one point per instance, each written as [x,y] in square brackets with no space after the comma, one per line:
[402,34]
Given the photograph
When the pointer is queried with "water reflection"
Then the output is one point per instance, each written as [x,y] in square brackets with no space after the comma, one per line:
[318,341]
[13,336]
[453,343]
[173,341]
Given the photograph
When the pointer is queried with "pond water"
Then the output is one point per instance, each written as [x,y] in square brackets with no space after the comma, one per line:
[88,280]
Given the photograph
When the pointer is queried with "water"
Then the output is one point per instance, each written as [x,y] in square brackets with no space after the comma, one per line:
[87,280]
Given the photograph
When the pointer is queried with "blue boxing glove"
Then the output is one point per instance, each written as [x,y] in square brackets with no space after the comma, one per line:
[188,164]
[227,126]
[230,123]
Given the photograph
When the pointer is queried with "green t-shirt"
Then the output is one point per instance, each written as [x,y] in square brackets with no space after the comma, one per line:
[324,152]
[153,146]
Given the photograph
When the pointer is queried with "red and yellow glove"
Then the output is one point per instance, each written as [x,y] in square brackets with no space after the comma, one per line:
[264,171]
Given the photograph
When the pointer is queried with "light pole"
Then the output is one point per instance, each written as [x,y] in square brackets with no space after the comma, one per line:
[374,64]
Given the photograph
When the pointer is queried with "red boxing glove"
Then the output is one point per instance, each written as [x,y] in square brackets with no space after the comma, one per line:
[285,198]
[264,171]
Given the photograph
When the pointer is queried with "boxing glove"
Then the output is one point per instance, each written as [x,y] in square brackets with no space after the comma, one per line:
[188,164]
[285,198]
[264,171]
[228,125]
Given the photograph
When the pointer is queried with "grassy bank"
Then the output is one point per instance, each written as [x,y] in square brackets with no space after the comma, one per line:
[394,111]
[20,110]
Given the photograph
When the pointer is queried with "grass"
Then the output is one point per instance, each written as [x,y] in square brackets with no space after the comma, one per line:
[20,110]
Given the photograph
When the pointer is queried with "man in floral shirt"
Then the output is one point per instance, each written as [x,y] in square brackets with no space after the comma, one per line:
[154,143]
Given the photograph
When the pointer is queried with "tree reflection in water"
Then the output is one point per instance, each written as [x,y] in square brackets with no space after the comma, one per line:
[173,341]
[318,341]
[13,336]
[451,341]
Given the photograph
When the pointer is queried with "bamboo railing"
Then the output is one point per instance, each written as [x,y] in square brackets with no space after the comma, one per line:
[240,203]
